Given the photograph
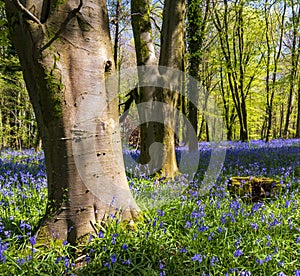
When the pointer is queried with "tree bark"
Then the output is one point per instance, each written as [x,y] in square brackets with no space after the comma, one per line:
[171,55]
[295,54]
[158,120]
[65,54]
[197,14]
[145,100]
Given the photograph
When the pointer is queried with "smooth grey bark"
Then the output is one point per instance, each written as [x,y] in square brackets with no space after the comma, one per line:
[171,55]
[66,56]
[146,96]
[172,48]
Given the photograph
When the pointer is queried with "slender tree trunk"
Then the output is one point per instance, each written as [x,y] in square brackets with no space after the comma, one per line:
[171,55]
[298,113]
[270,90]
[158,120]
[197,13]
[145,101]
[295,62]
[235,60]
[65,53]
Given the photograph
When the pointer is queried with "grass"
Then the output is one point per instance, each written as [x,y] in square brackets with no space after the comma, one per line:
[183,232]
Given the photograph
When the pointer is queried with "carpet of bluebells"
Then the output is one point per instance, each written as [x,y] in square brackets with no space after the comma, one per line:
[180,232]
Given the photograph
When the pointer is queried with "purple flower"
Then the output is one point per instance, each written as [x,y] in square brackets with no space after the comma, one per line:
[268,258]
[187,224]
[213,260]
[161,265]
[260,262]
[254,225]
[124,246]
[32,240]
[126,262]
[197,257]
[183,250]
[161,225]
[238,253]
[297,272]
[160,213]
[113,258]
[24,226]
[245,273]
[280,263]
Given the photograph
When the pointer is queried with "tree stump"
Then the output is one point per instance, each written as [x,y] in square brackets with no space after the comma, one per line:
[253,188]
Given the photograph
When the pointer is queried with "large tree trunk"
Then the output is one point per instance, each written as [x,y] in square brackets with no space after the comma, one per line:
[65,53]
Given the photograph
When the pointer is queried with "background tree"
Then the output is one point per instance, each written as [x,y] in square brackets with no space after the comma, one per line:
[65,54]
[274,42]
[197,17]
[171,55]
[17,122]
[293,43]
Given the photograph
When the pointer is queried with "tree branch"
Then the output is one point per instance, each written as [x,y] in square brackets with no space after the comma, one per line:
[26,12]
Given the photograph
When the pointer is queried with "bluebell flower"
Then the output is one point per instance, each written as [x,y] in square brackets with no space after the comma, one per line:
[161,225]
[87,258]
[254,225]
[268,258]
[32,240]
[154,222]
[161,265]
[126,262]
[198,258]
[245,273]
[183,250]
[113,258]
[160,213]
[101,234]
[124,246]
[214,260]
[260,262]
[58,259]
[280,263]
[187,224]
[24,225]
[21,261]
[238,253]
